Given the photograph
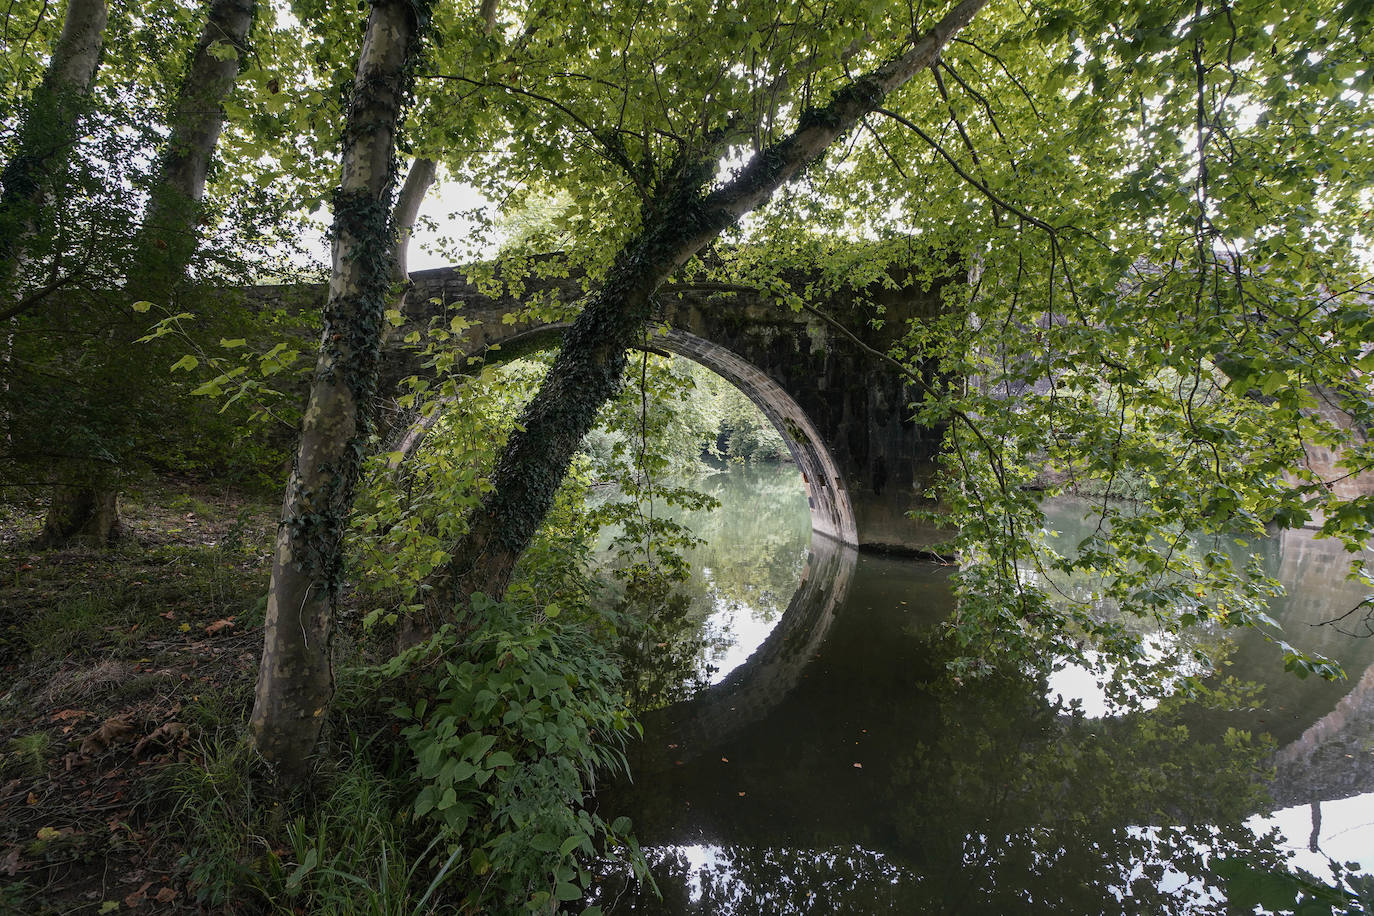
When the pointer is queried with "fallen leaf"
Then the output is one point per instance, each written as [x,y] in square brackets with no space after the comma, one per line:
[62,715]
[165,735]
[11,864]
[113,730]
[858,766]
[170,615]
[741,795]
[31,800]
[226,623]
[166,895]
[136,898]
[725,760]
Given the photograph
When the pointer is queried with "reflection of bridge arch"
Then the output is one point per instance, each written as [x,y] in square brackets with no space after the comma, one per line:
[844,412]
[748,693]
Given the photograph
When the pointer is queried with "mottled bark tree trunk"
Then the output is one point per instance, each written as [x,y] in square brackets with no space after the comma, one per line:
[587,371]
[87,507]
[295,679]
[167,238]
[46,136]
[413,191]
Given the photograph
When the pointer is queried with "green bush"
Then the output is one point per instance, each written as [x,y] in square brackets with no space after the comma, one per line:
[517,717]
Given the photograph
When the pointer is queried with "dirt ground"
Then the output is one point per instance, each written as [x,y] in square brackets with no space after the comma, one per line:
[121,671]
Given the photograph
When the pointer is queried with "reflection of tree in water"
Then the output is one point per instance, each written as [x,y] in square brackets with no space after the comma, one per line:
[663,653]
[755,544]
[1139,873]
[749,561]
[974,798]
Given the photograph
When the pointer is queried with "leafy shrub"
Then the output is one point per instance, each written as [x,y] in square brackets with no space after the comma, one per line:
[516,719]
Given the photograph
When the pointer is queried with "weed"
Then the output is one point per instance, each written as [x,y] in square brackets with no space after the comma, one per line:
[355,853]
[28,755]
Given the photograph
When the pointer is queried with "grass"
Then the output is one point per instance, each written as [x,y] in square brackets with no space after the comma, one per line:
[27,755]
[88,636]
[103,651]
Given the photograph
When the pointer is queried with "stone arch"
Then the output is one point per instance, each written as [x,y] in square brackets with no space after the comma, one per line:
[818,374]
[832,512]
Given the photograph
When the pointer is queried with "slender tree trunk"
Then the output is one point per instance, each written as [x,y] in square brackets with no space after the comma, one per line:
[587,371]
[46,137]
[417,185]
[88,506]
[295,680]
[167,239]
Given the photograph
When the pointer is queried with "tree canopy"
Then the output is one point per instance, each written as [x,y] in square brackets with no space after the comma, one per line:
[1158,214]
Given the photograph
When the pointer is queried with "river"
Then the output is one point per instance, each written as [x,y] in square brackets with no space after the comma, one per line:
[810,753]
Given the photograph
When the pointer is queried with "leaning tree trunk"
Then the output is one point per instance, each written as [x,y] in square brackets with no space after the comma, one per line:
[87,506]
[295,679]
[413,191]
[587,371]
[167,239]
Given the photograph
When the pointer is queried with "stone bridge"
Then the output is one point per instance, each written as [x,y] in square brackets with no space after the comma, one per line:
[842,409]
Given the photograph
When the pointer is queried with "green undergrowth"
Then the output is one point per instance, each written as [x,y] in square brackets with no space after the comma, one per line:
[470,796]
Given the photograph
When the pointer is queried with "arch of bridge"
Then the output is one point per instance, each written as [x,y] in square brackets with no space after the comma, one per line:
[832,513]
[843,411]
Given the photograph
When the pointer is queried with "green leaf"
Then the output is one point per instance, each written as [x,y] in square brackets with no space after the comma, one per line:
[141,306]
[187,362]
[308,863]
[544,842]
[222,50]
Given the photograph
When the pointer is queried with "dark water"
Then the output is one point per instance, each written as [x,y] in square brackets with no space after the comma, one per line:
[840,769]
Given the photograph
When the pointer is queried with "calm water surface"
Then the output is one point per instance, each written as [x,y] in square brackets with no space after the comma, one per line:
[811,754]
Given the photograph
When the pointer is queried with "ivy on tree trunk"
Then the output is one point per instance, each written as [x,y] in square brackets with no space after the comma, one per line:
[46,136]
[85,505]
[295,679]
[680,221]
